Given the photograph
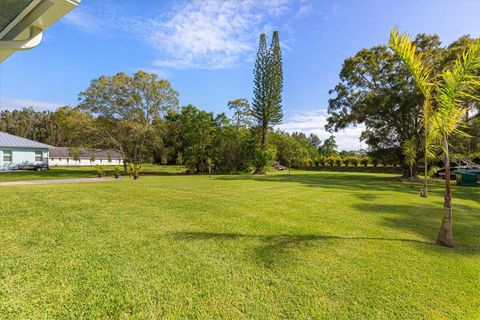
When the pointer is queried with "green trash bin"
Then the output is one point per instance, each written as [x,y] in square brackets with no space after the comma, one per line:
[466,179]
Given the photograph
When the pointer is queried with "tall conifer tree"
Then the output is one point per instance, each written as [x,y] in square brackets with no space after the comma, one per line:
[267,91]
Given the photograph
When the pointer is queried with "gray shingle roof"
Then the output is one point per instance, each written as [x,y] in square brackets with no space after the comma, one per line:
[9,140]
[85,153]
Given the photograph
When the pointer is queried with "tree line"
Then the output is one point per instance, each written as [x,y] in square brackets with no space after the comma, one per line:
[377,89]
[140,117]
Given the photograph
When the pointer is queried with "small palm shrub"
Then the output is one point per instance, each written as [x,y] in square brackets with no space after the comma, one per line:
[322,161]
[355,161]
[347,161]
[338,161]
[134,170]
[331,161]
[365,161]
[433,171]
[100,172]
[116,172]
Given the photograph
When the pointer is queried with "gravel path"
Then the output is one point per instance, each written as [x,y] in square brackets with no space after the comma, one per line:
[59,181]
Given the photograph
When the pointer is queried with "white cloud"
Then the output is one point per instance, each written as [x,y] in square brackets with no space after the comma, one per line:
[314,122]
[38,105]
[211,34]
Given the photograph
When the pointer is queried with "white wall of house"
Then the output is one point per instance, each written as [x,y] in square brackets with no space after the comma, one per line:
[66,162]
[20,156]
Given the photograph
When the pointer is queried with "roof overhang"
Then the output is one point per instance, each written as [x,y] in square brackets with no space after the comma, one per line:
[22,22]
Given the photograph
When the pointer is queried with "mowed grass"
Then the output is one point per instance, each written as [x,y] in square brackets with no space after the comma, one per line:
[55,173]
[331,245]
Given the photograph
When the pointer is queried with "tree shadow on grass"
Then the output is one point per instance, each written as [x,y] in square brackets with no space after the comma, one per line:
[275,249]
[326,180]
[425,220]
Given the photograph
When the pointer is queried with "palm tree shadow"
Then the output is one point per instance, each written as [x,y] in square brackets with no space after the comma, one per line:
[425,220]
[329,181]
[276,250]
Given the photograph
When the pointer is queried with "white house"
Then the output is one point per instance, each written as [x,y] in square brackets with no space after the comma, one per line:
[61,156]
[18,153]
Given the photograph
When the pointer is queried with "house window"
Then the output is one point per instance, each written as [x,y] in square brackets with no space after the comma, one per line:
[38,156]
[7,155]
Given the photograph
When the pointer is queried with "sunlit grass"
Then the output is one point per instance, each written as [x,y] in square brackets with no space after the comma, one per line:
[82,172]
[310,245]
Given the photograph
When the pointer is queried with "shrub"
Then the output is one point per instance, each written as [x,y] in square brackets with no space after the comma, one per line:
[134,170]
[100,172]
[331,161]
[476,157]
[116,172]
[365,161]
[355,161]
[322,161]
[375,162]
[432,171]
[347,161]
[338,161]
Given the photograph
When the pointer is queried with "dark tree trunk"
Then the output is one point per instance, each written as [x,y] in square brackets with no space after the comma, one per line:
[260,166]
[410,174]
[125,166]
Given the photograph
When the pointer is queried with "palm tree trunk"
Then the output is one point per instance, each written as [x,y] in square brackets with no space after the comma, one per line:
[424,191]
[411,176]
[445,235]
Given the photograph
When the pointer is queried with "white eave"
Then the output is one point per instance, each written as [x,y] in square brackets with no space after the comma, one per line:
[25,30]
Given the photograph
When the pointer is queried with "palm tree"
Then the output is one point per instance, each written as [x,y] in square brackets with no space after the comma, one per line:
[410,153]
[447,91]
[403,46]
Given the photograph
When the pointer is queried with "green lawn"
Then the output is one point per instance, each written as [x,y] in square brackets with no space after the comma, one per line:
[310,245]
[81,172]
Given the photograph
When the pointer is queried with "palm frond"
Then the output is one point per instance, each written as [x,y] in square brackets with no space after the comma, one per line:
[457,84]
[404,47]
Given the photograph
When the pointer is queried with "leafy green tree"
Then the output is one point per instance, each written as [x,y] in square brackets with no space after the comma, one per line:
[197,130]
[410,153]
[268,87]
[125,109]
[449,90]
[242,113]
[314,140]
[179,160]
[329,147]
[74,152]
[377,90]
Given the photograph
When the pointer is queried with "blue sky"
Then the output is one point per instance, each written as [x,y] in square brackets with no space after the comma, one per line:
[207,49]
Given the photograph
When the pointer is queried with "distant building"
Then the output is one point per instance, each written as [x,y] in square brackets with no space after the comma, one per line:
[62,156]
[19,153]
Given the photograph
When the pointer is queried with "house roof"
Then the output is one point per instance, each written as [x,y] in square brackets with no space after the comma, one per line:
[85,153]
[23,21]
[9,140]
